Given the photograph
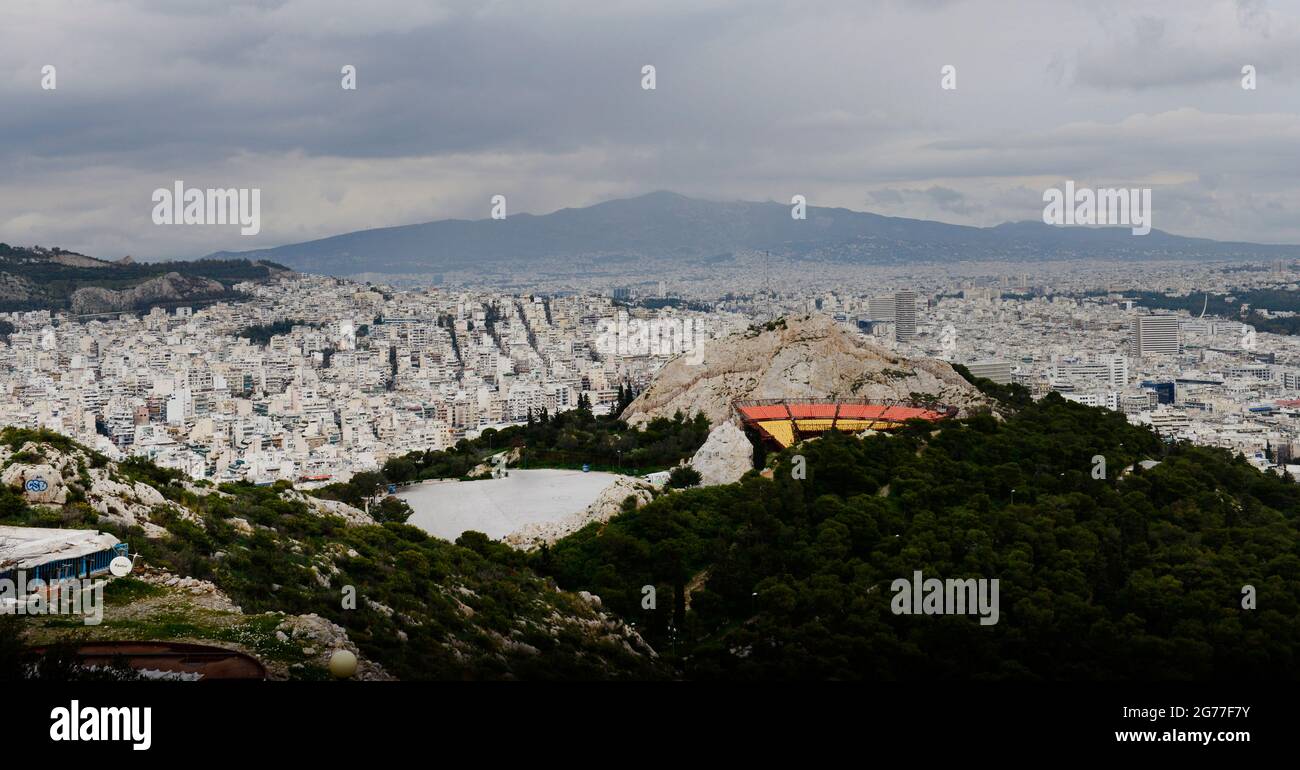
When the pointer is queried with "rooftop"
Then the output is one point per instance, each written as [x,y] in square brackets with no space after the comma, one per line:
[25,547]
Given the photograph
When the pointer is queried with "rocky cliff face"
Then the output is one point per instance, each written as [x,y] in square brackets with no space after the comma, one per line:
[809,357]
[172,287]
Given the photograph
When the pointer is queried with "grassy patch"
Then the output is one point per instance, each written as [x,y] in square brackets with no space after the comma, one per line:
[125,590]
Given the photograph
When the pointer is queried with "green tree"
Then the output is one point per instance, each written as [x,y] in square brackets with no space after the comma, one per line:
[683,476]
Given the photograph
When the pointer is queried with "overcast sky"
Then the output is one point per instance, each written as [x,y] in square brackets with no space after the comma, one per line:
[541,101]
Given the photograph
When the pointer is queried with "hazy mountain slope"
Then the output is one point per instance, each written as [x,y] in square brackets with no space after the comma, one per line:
[670,226]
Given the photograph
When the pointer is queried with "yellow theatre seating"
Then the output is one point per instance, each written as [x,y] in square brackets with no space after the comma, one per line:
[859,425]
[781,430]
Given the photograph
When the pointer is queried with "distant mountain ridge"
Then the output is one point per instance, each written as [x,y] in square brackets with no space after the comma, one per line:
[668,226]
[36,278]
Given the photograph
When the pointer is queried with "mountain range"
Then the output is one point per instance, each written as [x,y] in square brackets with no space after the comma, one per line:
[671,227]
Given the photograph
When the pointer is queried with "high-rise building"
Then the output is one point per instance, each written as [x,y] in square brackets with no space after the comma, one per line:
[991,369]
[1118,370]
[1113,369]
[881,308]
[1155,335]
[904,315]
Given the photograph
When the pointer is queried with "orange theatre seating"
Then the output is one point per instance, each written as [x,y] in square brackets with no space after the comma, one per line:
[784,422]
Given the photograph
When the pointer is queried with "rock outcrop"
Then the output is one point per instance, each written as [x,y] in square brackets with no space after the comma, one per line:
[355,517]
[320,638]
[70,479]
[40,483]
[171,287]
[116,499]
[809,357]
[203,593]
[492,464]
[130,504]
[316,637]
[725,456]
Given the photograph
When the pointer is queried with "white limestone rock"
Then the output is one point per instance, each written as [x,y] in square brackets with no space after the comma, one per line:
[38,483]
[130,504]
[725,456]
[354,517]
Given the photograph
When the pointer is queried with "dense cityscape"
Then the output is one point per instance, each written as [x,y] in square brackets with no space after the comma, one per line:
[313,379]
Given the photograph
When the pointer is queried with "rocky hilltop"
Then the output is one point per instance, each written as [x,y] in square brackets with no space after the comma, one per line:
[172,287]
[809,357]
[36,278]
